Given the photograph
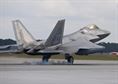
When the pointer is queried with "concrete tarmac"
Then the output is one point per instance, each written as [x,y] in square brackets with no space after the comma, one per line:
[82,72]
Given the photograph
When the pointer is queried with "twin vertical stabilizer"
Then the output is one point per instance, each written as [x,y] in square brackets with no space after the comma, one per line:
[23,37]
[56,35]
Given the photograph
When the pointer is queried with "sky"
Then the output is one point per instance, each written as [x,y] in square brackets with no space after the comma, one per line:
[40,16]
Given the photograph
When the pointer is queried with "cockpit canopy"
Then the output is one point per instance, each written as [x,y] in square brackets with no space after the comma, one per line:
[89,28]
[92,27]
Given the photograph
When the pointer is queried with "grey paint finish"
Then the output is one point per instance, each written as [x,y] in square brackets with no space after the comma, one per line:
[56,35]
[56,42]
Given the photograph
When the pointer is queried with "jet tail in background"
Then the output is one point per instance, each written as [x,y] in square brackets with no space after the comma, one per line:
[56,35]
[23,37]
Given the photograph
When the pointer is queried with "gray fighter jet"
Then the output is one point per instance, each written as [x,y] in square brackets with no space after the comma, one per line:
[80,42]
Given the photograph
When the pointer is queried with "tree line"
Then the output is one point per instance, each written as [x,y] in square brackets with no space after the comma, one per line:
[4,42]
[109,47]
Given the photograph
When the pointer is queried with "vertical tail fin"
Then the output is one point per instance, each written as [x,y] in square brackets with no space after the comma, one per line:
[23,37]
[56,35]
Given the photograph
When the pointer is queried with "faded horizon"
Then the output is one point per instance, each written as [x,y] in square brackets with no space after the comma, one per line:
[40,16]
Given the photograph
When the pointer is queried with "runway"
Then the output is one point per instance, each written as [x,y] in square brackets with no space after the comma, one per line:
[82,72]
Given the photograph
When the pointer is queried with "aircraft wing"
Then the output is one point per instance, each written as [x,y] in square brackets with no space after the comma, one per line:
[71,47]
[6,47]
[10,49]
[81,43]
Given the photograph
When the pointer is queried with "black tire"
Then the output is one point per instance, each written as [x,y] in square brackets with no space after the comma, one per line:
[70,60]
[45,59]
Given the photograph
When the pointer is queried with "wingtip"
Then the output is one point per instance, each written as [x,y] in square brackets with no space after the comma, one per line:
[62,20]
[17,20]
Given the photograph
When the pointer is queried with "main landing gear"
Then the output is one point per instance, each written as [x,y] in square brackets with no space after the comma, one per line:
[69,58]
[45,59]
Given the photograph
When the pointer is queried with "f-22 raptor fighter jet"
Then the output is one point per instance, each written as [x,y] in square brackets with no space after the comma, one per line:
[80,42]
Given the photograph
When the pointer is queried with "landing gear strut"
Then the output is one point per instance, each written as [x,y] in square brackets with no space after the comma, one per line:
[45,59]
[69,58]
